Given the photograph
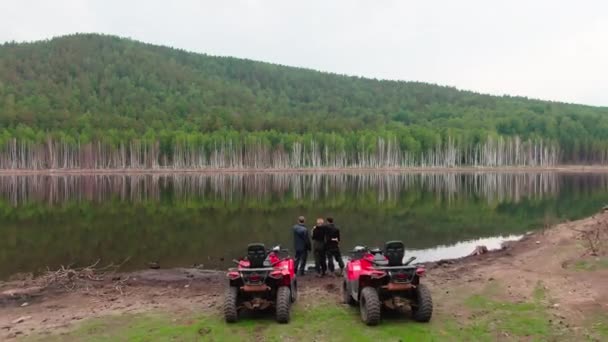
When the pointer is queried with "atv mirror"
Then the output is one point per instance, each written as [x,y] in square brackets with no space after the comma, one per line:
[358,252]
[357,249]
[284,253]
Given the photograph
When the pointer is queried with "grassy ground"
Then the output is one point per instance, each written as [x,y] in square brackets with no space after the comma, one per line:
[591,265]
[484,316]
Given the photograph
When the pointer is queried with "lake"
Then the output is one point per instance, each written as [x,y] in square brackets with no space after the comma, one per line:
[202,219]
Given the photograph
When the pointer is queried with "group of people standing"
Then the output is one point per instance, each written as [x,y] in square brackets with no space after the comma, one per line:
[325,246]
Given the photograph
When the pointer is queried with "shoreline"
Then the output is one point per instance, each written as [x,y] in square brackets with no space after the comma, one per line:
[346,170]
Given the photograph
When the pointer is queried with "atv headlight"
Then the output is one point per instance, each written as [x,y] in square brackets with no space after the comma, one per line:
[378,274]
[276,274]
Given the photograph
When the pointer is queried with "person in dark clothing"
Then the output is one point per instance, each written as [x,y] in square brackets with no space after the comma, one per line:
[301,242]
[332,246]
[318,247]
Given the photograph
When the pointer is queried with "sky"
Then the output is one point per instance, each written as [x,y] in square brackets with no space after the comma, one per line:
[547,49]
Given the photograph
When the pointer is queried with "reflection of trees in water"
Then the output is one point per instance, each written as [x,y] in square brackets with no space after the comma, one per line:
[233,187]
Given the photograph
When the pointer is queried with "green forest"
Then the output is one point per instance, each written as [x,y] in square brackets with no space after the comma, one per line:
[97,101]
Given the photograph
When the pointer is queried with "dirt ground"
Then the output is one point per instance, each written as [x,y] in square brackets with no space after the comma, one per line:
[552,258]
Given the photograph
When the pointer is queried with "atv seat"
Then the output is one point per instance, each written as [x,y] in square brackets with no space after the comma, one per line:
[394,252]
[256,254]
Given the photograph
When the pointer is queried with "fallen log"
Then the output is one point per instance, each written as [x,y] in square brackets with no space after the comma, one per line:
[21,293]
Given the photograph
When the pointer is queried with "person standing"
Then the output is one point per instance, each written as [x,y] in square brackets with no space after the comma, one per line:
[318,246]
[332,246]
[301,241]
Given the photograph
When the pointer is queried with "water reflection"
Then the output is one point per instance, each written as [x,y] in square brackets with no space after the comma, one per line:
[228,187]
[183,219]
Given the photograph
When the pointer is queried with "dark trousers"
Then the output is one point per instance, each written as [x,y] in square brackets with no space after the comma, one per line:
[320,262]
[301,261]
[333,252]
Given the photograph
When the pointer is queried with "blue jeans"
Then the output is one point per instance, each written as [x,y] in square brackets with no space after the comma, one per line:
[301,261]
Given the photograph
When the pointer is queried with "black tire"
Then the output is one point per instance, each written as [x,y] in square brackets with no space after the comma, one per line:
[294,292]
[370,306]
[283,304]
[347,298]
[423,310]
[231,314]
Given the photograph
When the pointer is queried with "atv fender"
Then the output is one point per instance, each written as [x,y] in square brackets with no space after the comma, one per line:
[353,288]
[294,290]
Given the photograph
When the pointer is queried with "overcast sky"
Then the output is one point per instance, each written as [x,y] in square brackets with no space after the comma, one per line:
[548,49]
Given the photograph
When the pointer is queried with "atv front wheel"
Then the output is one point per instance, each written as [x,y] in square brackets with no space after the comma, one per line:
[347,297]
[283,304]
[423,310]
[230,304]
[370,306]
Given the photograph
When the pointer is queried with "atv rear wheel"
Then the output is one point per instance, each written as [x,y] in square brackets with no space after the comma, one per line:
[423,310]
[370,306]
[347,297]
[283,304]
[230,304]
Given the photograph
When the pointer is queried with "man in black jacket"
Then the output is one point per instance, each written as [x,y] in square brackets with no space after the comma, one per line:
[332,246]
[318,246]
[301,243]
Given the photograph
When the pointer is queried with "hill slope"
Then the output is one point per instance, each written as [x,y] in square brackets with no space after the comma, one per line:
[103,90]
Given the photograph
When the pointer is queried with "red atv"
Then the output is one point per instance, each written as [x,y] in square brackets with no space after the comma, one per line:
[262,280]
[377,279]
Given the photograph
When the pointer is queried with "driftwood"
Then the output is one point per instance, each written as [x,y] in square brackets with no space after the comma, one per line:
[67,278]
[594,238]
[27,292]
[479,250]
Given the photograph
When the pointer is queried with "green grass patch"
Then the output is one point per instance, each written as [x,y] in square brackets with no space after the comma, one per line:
[493,319]
[490,319]
[597,327]
[591,265]
[321,323]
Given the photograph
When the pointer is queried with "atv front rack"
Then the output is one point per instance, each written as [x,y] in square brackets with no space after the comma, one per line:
[262,269]
[389,268]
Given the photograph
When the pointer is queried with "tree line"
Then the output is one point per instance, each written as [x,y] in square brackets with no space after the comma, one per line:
[267,150]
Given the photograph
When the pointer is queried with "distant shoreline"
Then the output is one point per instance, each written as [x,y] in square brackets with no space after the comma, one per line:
[351,170]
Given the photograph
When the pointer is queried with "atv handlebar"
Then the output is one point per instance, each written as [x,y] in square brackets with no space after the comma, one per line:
[409,261]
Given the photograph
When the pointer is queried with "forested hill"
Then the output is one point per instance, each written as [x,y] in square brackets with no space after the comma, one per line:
[91,100]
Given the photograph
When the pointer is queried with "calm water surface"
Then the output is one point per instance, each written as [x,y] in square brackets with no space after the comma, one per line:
[181,220]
